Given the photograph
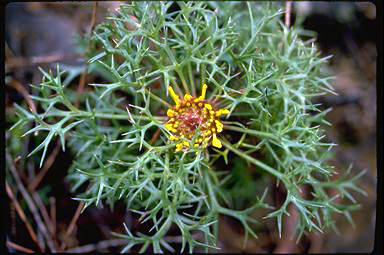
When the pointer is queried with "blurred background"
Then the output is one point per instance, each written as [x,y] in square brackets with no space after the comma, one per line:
[43,34]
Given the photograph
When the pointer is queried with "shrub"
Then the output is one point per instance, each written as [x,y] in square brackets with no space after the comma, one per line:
[197,97]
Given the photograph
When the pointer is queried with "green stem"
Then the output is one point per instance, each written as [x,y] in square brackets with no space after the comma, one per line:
[68,103]
[163,230]
[250,131]
[193,86]
[176,87]
[203,69]
[241,113]
[160,100]
[213,94]
[183,81]
[255,161]
[83,114]
[215,204]
[216,207]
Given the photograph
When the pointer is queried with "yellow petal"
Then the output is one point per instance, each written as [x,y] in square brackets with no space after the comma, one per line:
[219,126]
[224,111]
[187,96]
[173,95]
[208,106]
[203,91]
[216,142]
[170,113]
[179,147]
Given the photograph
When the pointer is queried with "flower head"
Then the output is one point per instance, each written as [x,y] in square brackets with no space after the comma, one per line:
[194,119]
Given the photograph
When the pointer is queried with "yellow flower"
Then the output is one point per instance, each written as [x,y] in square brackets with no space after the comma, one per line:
[191,114]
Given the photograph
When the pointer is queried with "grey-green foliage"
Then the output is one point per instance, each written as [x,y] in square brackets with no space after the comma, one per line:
[254,66]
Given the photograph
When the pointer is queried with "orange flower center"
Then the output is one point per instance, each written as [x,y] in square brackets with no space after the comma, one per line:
[194,119]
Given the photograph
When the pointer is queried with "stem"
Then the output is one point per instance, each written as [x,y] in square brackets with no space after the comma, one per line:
[214,95]
[288,7]
[216,207]
[160,100]
[99,115]
[255,161]
[30,203]
[203,69]
[19,247]
[184,82]
[72,225]
[68,103]
[215,204]
[21,214]
[250,131]
[193,86]
[176,87]
[163,230]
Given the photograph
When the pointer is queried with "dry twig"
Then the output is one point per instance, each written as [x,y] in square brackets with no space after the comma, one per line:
[47,165]
[21,214]
[155,136]
[30,203]
[43,212]
[71,226]
[23,91]
[100,246]
[286,244]
[20,62]
[83,76]
[52,202]
[17,247]
[288,7]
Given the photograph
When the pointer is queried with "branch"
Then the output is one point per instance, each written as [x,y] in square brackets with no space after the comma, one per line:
[71,226]
[255,161]
[83,76]
[17,247]
[288,7]
[23,91]
[30,203]
[21,214]
[98,246]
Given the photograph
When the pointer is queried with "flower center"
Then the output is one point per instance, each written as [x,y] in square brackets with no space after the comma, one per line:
[191,114]
[192,118]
